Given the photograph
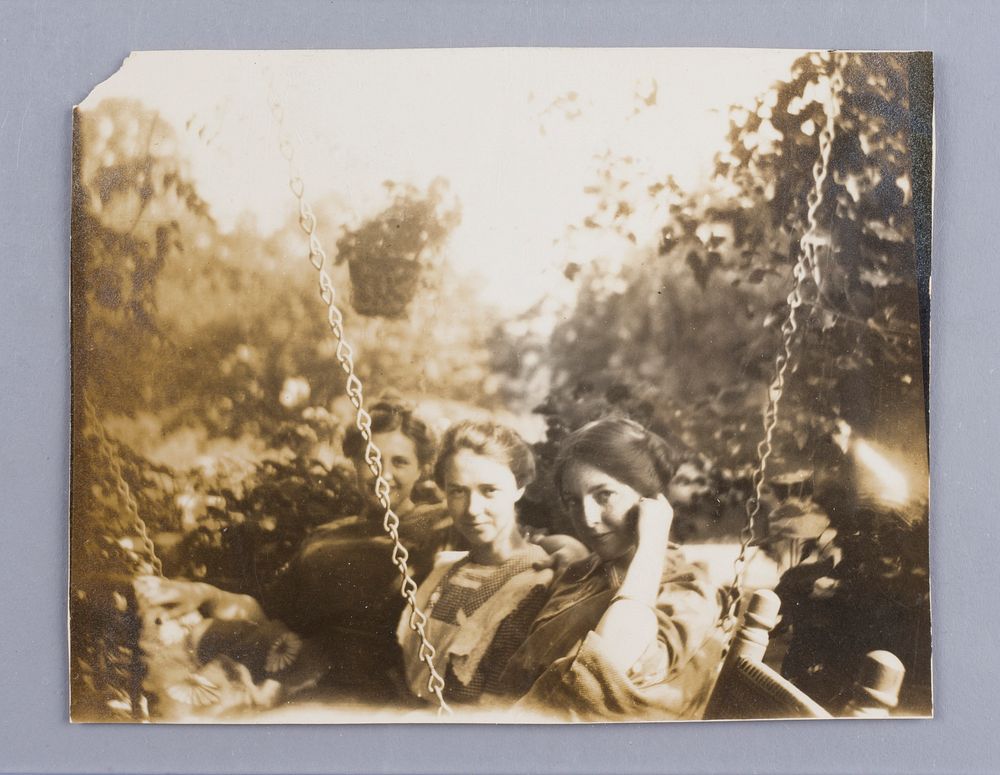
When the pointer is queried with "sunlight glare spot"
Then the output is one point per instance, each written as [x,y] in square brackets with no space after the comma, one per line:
[893,487]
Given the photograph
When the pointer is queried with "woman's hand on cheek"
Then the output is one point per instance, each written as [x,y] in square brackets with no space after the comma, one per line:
[656,515]
[630,623]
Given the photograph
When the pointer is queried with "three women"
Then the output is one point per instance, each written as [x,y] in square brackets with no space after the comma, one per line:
[629,630]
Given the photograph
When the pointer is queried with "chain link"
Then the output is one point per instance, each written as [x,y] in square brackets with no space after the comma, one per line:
[805,268]
[417,619]
[121,487]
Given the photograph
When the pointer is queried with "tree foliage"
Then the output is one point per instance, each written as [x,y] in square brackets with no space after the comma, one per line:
[210,360]
[681,328]
[132,201]
[693,318]
[175,317]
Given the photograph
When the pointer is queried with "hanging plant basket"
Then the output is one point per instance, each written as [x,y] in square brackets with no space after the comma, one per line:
[383,286]
[386,253]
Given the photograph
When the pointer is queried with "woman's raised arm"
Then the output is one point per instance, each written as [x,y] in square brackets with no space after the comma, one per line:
[630,624]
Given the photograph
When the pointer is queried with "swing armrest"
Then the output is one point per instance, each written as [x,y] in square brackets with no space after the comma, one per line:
[747,688]
[751,690]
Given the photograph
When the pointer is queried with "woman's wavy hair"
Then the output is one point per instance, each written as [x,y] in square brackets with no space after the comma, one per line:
[492,440]
[623,449]
[389,414]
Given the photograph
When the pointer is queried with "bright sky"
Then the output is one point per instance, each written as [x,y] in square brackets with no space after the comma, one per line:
[472,116]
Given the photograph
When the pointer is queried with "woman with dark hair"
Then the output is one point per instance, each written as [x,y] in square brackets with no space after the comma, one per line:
[632,631]
[342,586]
[408,446]
[479,603]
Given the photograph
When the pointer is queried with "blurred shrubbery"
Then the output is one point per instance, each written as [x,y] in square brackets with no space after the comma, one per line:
[208,355]
[688,316]
[239,542]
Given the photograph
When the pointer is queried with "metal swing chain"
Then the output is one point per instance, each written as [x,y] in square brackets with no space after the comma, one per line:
[417,620]
[121,486]
[805,267]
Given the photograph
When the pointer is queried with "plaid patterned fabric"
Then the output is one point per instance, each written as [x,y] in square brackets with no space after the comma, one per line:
[468,586]
[463,591]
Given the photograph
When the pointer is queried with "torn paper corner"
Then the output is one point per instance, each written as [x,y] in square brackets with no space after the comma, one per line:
[95,95]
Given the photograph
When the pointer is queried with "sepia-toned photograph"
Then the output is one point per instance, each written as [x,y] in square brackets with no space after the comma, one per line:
[501,385]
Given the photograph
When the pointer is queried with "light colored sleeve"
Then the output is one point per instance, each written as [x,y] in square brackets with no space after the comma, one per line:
[671,679]
[688,611]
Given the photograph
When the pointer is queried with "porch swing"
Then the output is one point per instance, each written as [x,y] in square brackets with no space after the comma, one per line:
[745,686]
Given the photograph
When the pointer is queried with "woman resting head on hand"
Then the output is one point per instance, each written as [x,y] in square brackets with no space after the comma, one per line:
[604,472]
[630,632]
[479,603]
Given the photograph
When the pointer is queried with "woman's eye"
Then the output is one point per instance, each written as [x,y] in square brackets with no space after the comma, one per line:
[603,497]
[400,462]
[489,492]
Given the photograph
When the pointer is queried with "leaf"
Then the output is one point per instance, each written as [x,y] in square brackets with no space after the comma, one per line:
[777,314]
[698,268]
[877,278]
[797,518]
[666,242]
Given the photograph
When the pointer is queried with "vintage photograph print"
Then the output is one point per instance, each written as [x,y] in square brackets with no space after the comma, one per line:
[518,385]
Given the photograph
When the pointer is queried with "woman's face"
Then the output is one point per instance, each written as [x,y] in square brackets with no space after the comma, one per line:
[482,493]
[400,467]
[601,507]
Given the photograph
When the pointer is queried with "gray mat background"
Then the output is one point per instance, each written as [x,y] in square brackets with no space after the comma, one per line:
[52,53]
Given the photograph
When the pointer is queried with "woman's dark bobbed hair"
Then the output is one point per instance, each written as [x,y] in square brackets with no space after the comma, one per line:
[623,449]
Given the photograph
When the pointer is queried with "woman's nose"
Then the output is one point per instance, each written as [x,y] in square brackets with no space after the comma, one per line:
[474,507]
[592,513]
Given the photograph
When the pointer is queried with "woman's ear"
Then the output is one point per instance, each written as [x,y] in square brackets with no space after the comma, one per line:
[519,494]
